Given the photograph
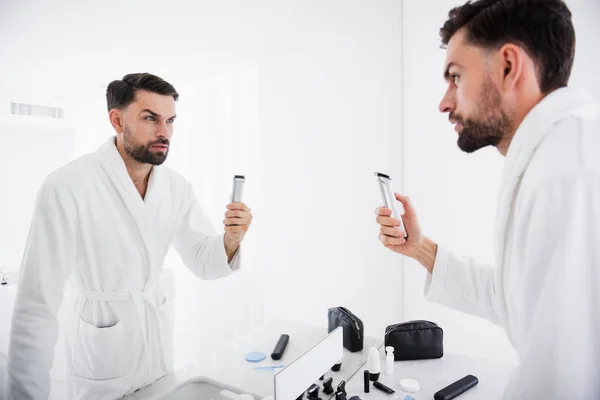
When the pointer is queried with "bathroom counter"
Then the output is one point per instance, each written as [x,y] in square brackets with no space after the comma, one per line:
[228,365]
[434,375]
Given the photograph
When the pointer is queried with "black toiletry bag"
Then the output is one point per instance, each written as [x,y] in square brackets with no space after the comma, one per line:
[352,325]
[415,340]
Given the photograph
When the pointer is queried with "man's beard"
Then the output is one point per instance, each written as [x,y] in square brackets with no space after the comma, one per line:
[488,126]
[140,152]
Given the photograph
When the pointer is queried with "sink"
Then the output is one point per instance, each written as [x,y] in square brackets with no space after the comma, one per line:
[204,389]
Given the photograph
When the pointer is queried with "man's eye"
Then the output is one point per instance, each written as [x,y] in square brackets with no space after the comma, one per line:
[454,78]
[170,121]
[149,118]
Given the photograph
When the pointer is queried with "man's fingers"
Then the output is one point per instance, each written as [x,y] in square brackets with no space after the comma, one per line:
[237,214]
[238,206]
[237,229]
[387,221]
[237,221]
[392,232]
[391,241]
[383,211]
[409,210]
[234,214]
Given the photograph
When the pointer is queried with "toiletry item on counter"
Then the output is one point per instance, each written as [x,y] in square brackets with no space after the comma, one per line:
[374,364]
[280,347]
[352,325]
[313,392]
[337,367]
[255,356]
[410,385]
[340,396]
[415,340]
[342,387]
[389,361]
[328,386]
[367,381]
[457,388]
[383,388]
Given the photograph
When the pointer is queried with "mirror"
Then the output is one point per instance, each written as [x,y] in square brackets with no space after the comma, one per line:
[303,98]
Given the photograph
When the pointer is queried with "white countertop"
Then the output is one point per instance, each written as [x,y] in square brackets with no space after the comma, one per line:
[228,366]
[436,374]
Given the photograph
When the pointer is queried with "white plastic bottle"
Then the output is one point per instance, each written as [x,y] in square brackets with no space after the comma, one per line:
[389,361]
[373,364]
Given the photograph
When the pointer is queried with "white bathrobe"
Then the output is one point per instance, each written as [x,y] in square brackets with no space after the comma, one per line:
[545,288]
[94,236]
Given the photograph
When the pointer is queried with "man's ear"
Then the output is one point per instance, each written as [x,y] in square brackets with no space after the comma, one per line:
[117,119]
[512,58]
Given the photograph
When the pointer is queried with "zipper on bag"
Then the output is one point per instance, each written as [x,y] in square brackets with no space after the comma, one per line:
[353,318]
[393,327]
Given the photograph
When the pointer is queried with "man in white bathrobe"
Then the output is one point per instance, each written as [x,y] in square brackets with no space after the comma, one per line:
[102,227]
[507,67]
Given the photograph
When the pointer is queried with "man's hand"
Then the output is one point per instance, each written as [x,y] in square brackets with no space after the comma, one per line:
[237,222]
[416,245]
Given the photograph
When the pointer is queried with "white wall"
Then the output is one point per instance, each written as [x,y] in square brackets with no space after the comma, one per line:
[455,193]
[29,150]
[586,15]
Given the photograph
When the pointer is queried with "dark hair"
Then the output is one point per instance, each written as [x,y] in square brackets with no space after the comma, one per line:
[543,28]
[121,93]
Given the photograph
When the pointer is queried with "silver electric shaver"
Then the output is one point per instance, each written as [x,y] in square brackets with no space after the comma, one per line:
[389,199]
[238,188]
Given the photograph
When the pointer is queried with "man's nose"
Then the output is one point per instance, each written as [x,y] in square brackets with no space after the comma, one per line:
[164,130]
[447,104]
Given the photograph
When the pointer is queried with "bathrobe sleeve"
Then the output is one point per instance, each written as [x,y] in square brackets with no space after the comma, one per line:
[467,286]
[200,247]
[48,260]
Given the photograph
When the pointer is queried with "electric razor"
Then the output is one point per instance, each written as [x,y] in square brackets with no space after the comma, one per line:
[389,199]
[238,188]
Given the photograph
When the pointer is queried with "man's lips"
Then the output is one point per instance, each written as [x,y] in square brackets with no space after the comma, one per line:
[457,125]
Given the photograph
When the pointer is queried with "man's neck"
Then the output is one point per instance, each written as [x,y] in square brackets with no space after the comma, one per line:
[505,142]
[518,115]
[138,172]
